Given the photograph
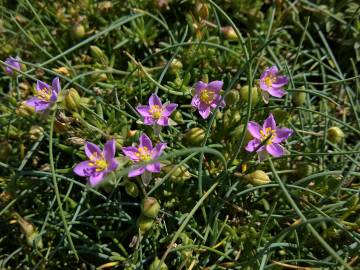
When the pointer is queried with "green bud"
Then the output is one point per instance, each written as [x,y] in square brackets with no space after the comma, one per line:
[78,31]
[280,116]
[231,118]
[175,65]
[258,178]
[303,169]
[299,97]
[195,136]
[32,236]
[155,265]
[229,33]
[145,223]
[244,94]
[131,189]
[24,110]
[335,134]
[232,97]
[99,76]
[177,117]
[72,99]
[35,133]
[105,6]
[99,55]
[5,150]
[202,10]
[180,174]
[236,133]
[150,207]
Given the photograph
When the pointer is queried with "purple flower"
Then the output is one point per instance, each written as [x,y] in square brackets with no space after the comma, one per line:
[207,97]
[269,135]
[100,163]
[46,95]
[144,153]
[156,113]
[14,63]
[272,84]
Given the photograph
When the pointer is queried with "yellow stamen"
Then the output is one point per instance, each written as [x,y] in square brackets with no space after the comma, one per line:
[98,162]
[143,154]
[207,96]
[44,94]
[269,80]
[268,133]
[156,111]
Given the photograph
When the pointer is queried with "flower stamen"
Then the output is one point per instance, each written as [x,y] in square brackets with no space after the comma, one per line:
[207,96]
[268,136]
[44,94]
[156,111]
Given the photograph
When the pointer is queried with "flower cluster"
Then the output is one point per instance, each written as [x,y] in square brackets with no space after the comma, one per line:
[207,97]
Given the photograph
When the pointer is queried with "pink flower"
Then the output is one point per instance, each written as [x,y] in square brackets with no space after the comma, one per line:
[46,95]
[14,63]
[100,163]
[144,153]
[272,84]
[156,113]
[267,138]
[207,97]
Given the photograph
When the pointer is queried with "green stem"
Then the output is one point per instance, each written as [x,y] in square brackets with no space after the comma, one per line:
[57,194]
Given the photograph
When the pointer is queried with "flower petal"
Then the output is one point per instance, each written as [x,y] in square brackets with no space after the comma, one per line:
[200,86]
[109,150]
[96,178]
[262,155]
[157,151]
[154,167]
[169,109]
[275,149]
[265,96]
[83,169]
[215,86]
[252,145]
[91,149]
[163,121]
[143,110]
[154,100]
[145,141]
[254,129]
[112,165]
[56,85]
[205,112]
[280,81]
[269,123]
[276,92]
[41,85]
[195,101]
[41,106]
[149,121]
[273,70]
[130,152]
[32,102]
[136,171]
[282,134]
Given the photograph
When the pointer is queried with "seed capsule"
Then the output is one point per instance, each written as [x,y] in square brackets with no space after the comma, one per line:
[155,265]
[72,99]
[258,178]
[299,97]
[195,136]
[244,94]
[145,223]
[150,207]
[335,134]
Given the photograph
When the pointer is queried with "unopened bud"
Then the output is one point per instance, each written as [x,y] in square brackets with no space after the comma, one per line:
[280,115]
[76,141]
[131,189]
[32,236]
[244,94]
[195,136]
[99,55]
[229,33]
[5,150]
[179,175]
[335,134]
[176,65]
[177,117]
[299,97]
[72,99]
[150,207]
[232,97]
[145,223]
[35,133]
[258,178]
[157,265]
[24,110]
[105,6]
[78,31]
[202,10]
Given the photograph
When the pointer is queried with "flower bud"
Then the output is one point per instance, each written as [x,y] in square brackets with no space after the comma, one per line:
[131,189]
[232,97]
[175,65]
[98,76]
[280,115]
[194,136]
[258,178]
[231,118]
[150,207]
[303,169]
[24,110]
[32,236]
[145,223]
[77,141]
[5,196]
[335,134]
[78,31]
[157,265]
[244,94]
[177,117]
[105,6]
[35,133]
[99,55]
[299,97]
[229,33]
[72,99]
[180,174]
[202,10]
[5,150]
